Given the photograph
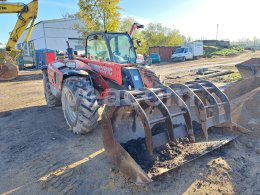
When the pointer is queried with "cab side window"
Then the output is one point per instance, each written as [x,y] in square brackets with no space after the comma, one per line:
[97,48]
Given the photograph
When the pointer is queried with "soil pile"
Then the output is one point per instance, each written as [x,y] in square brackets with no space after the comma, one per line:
[166,152]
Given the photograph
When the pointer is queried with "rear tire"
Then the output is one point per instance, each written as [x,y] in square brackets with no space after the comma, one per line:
[79,104]
[51,100]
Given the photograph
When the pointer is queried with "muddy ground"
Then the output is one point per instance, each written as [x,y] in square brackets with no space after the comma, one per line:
[40,156]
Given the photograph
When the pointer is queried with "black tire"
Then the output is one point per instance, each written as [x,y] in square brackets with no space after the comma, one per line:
[147,62]
[183,59]
[51,100]
[79,104]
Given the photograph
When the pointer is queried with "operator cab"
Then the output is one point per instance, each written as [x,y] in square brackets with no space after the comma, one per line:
[117,48]
[111,47]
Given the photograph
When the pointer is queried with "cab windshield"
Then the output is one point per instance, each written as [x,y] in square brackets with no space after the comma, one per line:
[122,48]
[179,50]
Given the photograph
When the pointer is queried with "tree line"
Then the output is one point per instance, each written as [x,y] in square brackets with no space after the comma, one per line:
[104,15]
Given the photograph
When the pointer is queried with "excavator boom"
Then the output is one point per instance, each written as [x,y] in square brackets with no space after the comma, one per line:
[26,15]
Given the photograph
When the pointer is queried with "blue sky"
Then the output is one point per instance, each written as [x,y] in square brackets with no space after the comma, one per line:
[195,18]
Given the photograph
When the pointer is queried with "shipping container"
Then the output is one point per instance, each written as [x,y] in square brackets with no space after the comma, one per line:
[165,52]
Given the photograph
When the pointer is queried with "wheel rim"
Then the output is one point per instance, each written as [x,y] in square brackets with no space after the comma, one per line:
[71,108]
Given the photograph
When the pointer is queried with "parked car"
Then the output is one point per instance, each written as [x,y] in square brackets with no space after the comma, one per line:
[188,51]
[155,57]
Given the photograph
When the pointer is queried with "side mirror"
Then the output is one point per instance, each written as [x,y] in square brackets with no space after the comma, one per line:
[139,42]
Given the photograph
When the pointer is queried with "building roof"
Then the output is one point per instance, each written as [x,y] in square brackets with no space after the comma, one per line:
[54,20]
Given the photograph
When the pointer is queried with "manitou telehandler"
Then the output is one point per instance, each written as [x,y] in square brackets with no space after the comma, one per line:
[148,128]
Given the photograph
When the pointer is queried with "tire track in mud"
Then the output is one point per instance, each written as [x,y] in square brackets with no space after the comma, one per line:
[59,177]
[69,177]
[41,146]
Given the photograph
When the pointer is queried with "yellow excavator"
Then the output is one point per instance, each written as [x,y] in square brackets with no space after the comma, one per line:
[26,15]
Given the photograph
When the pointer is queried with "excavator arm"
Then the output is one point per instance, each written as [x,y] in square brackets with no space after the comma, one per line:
[9,8]
[26,15]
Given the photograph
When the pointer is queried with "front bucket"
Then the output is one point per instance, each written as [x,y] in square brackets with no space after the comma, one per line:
[126,146]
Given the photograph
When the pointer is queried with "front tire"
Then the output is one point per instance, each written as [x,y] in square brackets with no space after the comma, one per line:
[79,104]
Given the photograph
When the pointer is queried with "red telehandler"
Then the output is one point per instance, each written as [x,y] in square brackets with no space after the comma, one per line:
[148,128]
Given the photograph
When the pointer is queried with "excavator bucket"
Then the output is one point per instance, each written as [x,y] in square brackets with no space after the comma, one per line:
[8,67]
[151,131]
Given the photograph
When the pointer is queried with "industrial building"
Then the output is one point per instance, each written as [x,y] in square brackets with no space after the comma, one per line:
[52,34]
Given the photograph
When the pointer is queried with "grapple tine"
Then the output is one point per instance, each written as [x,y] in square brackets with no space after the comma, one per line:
[186,93]
[222,97]
[205,95]
[187,116]
[165,112]
[141,113]
[207,98]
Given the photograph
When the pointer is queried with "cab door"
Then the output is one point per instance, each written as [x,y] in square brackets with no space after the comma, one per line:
[188,53]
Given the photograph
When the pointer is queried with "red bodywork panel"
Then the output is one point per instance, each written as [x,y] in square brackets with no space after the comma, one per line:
[98,69]
[52,73]
[110,70]
[50,57]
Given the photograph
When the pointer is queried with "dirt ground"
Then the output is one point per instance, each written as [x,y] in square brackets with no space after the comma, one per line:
[186,71]
[40,156]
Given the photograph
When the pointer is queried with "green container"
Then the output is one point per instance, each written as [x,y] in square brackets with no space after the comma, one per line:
[155,57]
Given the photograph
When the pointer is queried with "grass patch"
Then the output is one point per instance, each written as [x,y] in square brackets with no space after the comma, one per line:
[233,77]
[228,51]
[210,51]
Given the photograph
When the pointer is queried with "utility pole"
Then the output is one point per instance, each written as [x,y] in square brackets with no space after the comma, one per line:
[217,33]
